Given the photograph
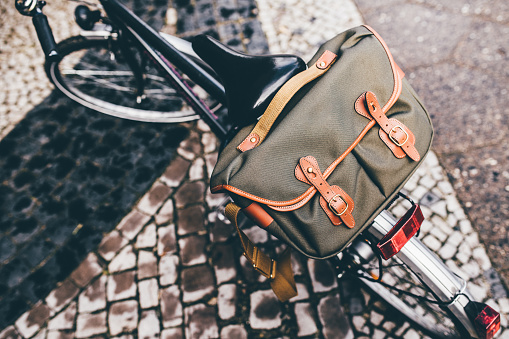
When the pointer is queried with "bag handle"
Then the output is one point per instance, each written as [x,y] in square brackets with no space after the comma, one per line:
[282,97]
[279,272]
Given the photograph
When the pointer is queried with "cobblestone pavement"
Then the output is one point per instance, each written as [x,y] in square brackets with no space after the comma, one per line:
[170,267]
[455,56]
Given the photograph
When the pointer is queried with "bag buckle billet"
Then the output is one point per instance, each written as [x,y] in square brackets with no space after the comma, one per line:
[263,264]
[393,130]
[335,200]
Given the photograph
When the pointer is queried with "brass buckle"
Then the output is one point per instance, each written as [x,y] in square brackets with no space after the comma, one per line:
[333,209]
[394,140]
[257,257]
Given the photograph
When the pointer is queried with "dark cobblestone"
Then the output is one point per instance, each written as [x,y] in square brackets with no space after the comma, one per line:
[190,220]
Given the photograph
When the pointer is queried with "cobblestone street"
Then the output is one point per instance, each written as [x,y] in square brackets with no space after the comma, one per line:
[108,228]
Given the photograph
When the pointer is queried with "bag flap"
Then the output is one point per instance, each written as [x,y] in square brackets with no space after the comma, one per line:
[321,121]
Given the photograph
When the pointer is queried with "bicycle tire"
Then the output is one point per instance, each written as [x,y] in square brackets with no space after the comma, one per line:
[85,72]
[431,319]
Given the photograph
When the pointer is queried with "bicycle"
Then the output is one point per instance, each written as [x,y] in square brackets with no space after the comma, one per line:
[451,308]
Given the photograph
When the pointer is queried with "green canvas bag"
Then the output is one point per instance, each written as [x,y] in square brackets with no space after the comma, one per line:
[334,147]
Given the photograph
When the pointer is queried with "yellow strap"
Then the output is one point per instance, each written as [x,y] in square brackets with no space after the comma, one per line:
[282,97]
[279,272]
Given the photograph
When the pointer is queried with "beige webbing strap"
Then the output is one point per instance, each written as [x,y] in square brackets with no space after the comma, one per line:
[282,97]
[279,272]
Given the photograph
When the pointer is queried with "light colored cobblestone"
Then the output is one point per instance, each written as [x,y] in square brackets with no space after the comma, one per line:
[93,298]
[265,312]
[378,334]
[121,286]
[149,293]
[466,227]
[88,325]
[30,322]
[149,325]
[61,296]
[480,255]
[473,240]
[234,331]
[167,242]
[447,251]
[147,237]
[376,318]
[147,265]
[123,317]
[110,245]
[87,270]
[132,224]
[455,239]
[196,170]
[201,322]
[358,322]
[165,214]
[154,198]
[64,320]
[125,260]
[305,319]
[432,242]
[226,301]
[472,269]
[168,273]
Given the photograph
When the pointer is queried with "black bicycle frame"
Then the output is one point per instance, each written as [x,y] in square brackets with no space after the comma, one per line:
[161,49]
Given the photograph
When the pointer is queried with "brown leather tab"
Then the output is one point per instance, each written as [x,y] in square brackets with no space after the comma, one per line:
[342,204]
[360,106]
[249,142]
[256,213]
[399,135]
[335,202]
[326,59]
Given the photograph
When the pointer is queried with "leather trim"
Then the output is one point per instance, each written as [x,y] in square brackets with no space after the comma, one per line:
[397,151]
[258,215]
[396,71]
[326,59]
[293,204]
[335,202]
[282,97]
[249,142]
[360,106]
[398,134]
[347,217]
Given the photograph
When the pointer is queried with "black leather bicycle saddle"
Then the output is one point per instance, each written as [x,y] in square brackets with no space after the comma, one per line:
[250,81]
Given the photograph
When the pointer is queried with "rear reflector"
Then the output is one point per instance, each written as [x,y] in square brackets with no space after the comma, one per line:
[399,235]
[487,323]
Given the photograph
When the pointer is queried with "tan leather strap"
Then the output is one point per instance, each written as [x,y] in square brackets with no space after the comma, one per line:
[334,201]
[394,133]
[279,272]
[282,97]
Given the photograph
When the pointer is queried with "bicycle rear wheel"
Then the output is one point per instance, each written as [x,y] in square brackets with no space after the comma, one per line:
[88,72]
[401,276]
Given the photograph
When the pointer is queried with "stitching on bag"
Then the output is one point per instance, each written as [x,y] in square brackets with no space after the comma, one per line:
[398,84]
[297,202]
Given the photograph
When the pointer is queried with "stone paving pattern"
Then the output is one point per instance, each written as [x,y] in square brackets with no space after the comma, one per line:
[170,268]
[68,174]
[455,54]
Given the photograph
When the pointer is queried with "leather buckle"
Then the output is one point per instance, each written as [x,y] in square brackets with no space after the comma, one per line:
[394,140]
[333,209]
[263,264]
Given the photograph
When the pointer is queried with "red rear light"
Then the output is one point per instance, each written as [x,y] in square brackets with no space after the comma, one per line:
[399,235]
[487,323]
